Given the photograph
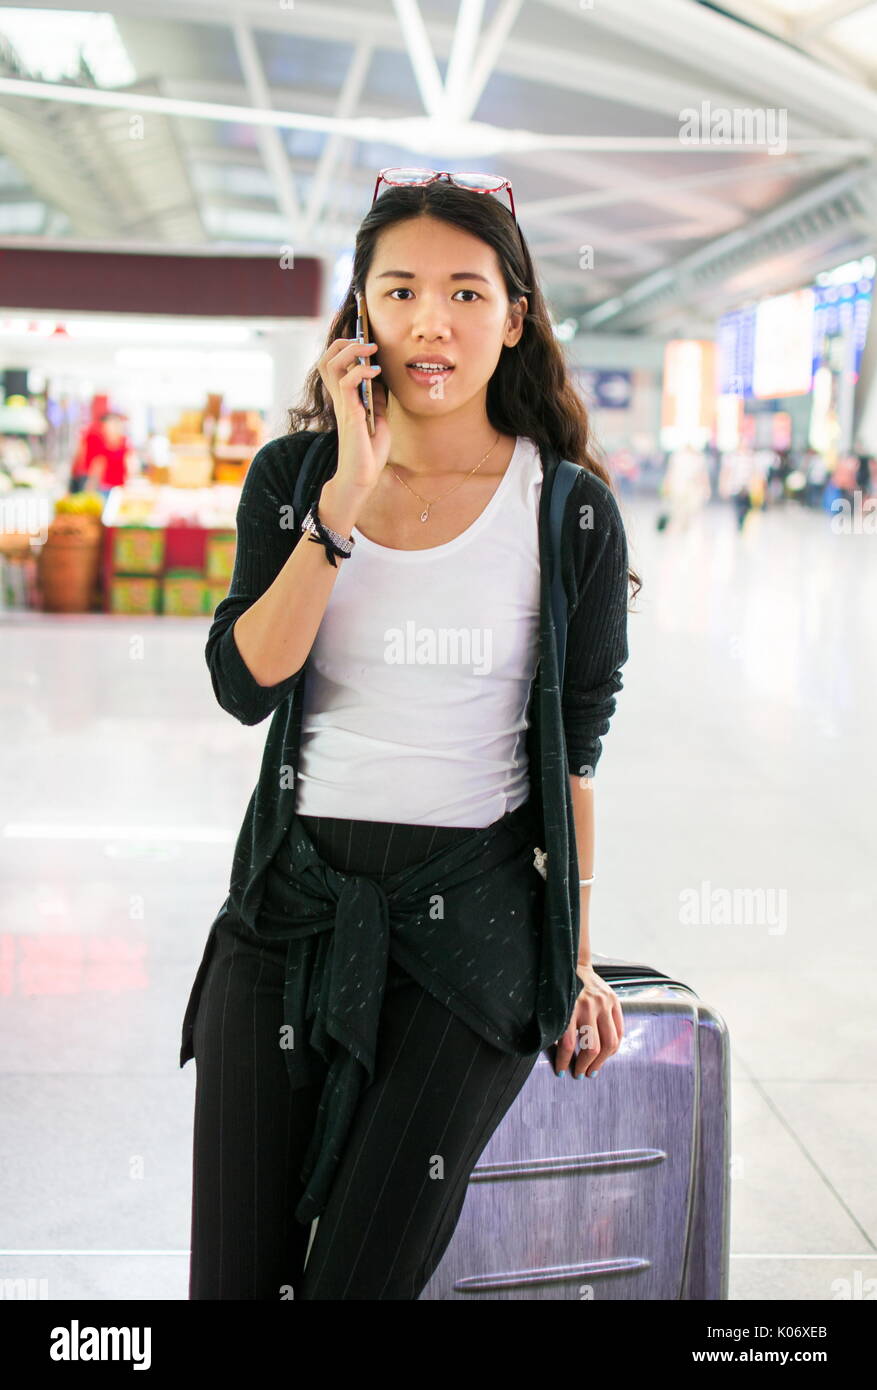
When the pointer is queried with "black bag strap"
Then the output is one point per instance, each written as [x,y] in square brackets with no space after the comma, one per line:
[564,478]
[306,474]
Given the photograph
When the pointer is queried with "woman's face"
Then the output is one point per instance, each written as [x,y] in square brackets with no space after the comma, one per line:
[436,292]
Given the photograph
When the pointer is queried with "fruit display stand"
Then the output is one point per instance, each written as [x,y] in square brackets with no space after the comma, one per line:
[69,561]
[168,550]
[210,446]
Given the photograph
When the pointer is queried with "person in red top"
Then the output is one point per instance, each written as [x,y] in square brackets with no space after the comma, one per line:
[109,469]
[91,443]
[102,456]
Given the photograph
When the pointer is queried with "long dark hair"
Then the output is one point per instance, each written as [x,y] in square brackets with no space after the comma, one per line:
[530,392]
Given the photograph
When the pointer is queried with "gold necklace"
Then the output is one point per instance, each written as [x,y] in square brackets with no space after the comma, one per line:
[424,515]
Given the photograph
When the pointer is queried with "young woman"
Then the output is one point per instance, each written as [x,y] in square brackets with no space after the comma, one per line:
[393,954]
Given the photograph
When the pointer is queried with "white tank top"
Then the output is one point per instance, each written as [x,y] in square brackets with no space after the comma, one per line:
[418,681]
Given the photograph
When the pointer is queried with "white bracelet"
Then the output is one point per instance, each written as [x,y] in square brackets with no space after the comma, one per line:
[583,882]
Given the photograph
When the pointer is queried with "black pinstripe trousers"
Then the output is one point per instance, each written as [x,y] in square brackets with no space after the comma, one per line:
[438,1094]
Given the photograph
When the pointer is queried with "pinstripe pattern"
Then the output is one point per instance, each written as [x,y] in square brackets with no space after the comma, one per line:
[374,847]
[439,1090]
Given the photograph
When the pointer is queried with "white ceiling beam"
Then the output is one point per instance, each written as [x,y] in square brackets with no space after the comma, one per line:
[466,31]
[624,261]
[637,247]
[817,21]
[488,55]
[615,186]
[796,30]
[268,138]
[664,193]
[348,101]
[569,239]
[762,15]
[586,285]
[420,52]
[694,34]
[640,249]
[688,230]
[415,134]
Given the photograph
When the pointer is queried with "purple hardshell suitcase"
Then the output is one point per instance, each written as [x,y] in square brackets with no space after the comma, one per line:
[615,1187]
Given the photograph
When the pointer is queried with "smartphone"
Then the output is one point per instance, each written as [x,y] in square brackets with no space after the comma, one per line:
[365,387]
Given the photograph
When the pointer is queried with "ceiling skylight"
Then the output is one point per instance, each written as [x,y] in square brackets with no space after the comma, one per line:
[49,43]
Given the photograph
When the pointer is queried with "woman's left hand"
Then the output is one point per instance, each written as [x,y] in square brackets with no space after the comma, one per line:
[598,1010]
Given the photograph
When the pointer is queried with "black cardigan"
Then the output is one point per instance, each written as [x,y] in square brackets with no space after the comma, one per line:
[564,736]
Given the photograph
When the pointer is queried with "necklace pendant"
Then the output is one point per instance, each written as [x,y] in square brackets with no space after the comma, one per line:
[424,516]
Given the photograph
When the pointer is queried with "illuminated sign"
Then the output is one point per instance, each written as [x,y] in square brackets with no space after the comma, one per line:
[783,364]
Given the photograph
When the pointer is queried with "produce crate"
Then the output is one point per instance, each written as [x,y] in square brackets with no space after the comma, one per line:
[185,594]
[225,471]
[219,556]
[217,593]
[174,547]
[138,550]
[134,593]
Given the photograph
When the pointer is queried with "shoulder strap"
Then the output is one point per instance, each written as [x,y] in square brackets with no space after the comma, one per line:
[306,474]
[564,477]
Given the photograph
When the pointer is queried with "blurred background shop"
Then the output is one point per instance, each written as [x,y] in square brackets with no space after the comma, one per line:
[127,435]
[180,185]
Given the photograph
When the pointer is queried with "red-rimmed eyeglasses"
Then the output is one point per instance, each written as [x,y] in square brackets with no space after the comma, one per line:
[474,183]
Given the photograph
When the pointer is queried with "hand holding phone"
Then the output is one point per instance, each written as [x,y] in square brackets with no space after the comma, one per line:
[365,387]
[347,368]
